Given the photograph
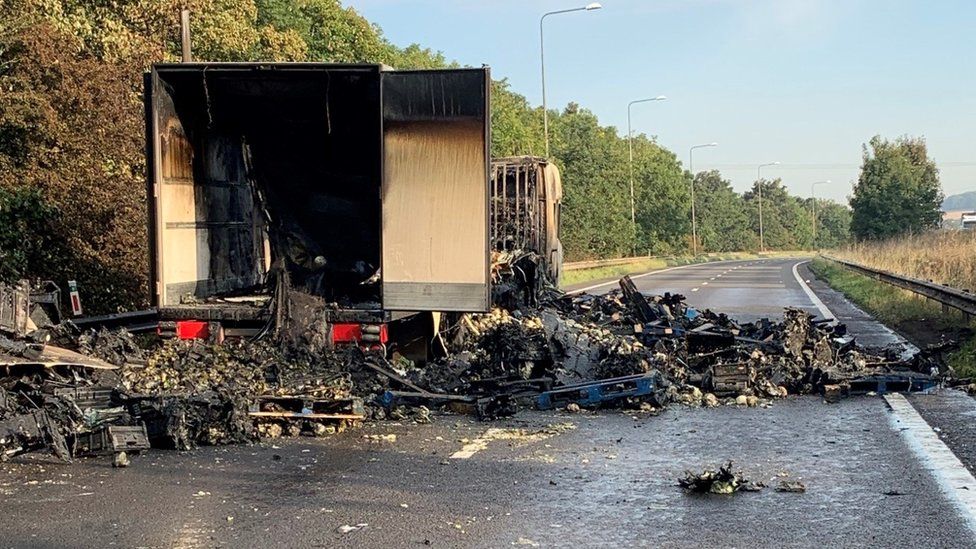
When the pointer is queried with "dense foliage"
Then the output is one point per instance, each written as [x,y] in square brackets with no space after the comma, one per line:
[898,191]
[72,170]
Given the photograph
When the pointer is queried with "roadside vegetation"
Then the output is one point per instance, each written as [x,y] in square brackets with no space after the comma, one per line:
[944,257]
[918,319]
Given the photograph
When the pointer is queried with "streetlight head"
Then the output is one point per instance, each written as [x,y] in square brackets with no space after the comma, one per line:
[593,6]
[775,163]
[713,144]
[660,98]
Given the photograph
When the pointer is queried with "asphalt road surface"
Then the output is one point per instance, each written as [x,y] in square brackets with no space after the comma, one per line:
[875,477]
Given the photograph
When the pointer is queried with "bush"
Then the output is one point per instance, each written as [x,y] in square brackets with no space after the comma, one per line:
[29,235]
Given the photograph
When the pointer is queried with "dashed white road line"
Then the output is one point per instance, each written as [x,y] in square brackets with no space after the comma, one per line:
[955,481]
[824,311]
[476,445]
[632,277]
[694,289]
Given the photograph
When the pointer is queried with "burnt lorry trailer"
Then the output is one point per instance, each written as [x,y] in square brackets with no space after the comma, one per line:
[363,187]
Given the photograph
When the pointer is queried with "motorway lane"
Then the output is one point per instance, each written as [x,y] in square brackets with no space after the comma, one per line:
[745,290]
[610,482]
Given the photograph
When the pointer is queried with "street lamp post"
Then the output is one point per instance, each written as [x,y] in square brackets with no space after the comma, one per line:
[542,61]
[694,220]
[813,188]
[630,148]
[762,243]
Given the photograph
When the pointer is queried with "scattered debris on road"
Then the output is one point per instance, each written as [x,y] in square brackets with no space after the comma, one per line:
[62,388]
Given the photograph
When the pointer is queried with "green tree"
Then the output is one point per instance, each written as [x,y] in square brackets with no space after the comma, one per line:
[29,235]
[71,128]
[723,219]
[786,224]
[596,195]
[663,198]
[833,223]
[898,191]
[330,31]
[516,128]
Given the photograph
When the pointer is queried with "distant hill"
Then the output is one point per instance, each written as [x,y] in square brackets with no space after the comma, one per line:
[963,201]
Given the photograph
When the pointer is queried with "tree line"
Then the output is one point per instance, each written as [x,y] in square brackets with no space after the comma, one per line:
[72,141]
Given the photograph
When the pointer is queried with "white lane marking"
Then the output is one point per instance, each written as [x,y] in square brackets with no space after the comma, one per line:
[642,275]
[704,283]
[713,278]
[956,482]
[694,289]
[909,349]
[824,311]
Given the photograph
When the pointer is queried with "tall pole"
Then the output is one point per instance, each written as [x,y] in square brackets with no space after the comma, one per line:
[762,242]
[694,221]
[185,35]
[630,149]
[542,63]
[813,189]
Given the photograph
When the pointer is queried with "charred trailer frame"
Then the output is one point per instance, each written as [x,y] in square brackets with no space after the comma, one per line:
[365,186]
[526,199]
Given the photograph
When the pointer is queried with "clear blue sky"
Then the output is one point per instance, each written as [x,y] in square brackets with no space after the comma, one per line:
[803,82]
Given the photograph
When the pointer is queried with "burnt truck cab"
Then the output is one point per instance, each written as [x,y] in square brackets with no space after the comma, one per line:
[362,185]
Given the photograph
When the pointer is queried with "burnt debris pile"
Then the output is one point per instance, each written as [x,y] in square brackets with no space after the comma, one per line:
[76,392]
[624,348]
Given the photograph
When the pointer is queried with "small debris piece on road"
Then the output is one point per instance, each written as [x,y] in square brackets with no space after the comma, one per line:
[121,460]
[346,528]
[722,481]
[793,486]
[381,438]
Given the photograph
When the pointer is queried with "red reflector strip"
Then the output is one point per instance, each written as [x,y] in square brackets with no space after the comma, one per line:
[192,329]
[354,333]
[346,333]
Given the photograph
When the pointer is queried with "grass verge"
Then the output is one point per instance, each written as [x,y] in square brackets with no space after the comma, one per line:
[572,278]
[920,320]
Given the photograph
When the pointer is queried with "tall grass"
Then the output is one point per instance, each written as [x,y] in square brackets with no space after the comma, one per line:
[944,257]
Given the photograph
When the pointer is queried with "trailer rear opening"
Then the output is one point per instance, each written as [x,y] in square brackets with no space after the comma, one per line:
[259,160]
[364,187]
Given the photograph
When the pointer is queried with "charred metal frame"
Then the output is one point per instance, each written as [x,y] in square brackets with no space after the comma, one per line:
[518,217]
